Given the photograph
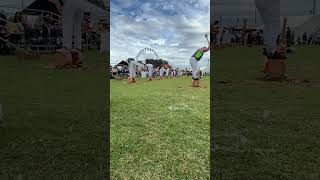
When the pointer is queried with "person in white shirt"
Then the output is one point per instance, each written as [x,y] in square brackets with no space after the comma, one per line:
[167,72]
[172,73]
[72,12]
[270,15]
[161,72]
[150,71]
[105,37]
[133,66]
[195,58]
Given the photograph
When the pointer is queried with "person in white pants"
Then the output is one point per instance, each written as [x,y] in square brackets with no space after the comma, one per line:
[72,17]
[161,72]
[195,58]
[72,12]
[150,69]
[167,72]
[172,73]
[132,68]
[105,39]
[270,15]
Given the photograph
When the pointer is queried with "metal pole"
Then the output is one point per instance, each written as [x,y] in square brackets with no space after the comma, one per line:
[255,16]
[314,7]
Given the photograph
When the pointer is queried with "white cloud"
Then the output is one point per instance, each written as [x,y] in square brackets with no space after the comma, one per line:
[159,42]
[175,29]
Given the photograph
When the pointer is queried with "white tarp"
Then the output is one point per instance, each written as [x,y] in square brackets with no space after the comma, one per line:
[144,75]
[312,25]
[205,69]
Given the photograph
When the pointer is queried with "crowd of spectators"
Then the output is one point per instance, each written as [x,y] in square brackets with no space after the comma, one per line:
[42,32]
[222,36]
[123,72]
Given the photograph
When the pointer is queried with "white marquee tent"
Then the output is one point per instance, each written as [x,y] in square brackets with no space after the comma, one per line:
[311,25]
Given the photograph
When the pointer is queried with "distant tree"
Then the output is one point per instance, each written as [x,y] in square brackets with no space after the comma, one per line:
[156,62]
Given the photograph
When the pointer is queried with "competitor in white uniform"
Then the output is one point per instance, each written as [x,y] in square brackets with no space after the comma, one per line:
[150,70]
[161,72]
[167,72]
[72,16]
[195,58]
[105,37]
[270,14]
[173,73]
[132,68]
[72,12]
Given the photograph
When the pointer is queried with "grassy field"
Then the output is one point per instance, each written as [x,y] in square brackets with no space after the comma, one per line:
[55,125]
[160,129]
[54,119]
[265,130]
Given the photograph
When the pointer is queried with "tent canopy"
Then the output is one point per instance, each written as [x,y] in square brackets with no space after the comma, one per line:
[312,25]
[41,5]
[122,63]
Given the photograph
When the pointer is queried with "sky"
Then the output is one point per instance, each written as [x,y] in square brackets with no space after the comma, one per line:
[174,29]
[229,10]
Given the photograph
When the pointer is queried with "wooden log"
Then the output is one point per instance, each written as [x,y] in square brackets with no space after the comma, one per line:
[195,83]
[62,59]
[275,68]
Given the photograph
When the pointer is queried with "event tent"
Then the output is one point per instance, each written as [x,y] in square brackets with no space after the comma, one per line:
[37,6]
[122,63]
[312,25]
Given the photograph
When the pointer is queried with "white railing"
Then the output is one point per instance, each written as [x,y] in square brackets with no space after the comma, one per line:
[53,16]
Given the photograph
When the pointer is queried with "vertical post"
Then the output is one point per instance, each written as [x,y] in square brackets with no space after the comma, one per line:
[255,16]
[22,5]
[237,22]
[314,7]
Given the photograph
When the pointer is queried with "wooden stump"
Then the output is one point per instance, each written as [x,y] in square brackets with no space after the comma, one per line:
[76,58]
[195,83]
[131,80]
[63,59]
[275,68]
[32,56]
[27,55]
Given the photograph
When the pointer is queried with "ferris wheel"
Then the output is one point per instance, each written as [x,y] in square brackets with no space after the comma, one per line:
[147,53]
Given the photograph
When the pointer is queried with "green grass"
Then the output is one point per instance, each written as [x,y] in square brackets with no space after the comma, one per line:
[55,119]
[265,130]
[55,123]
[160,129]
